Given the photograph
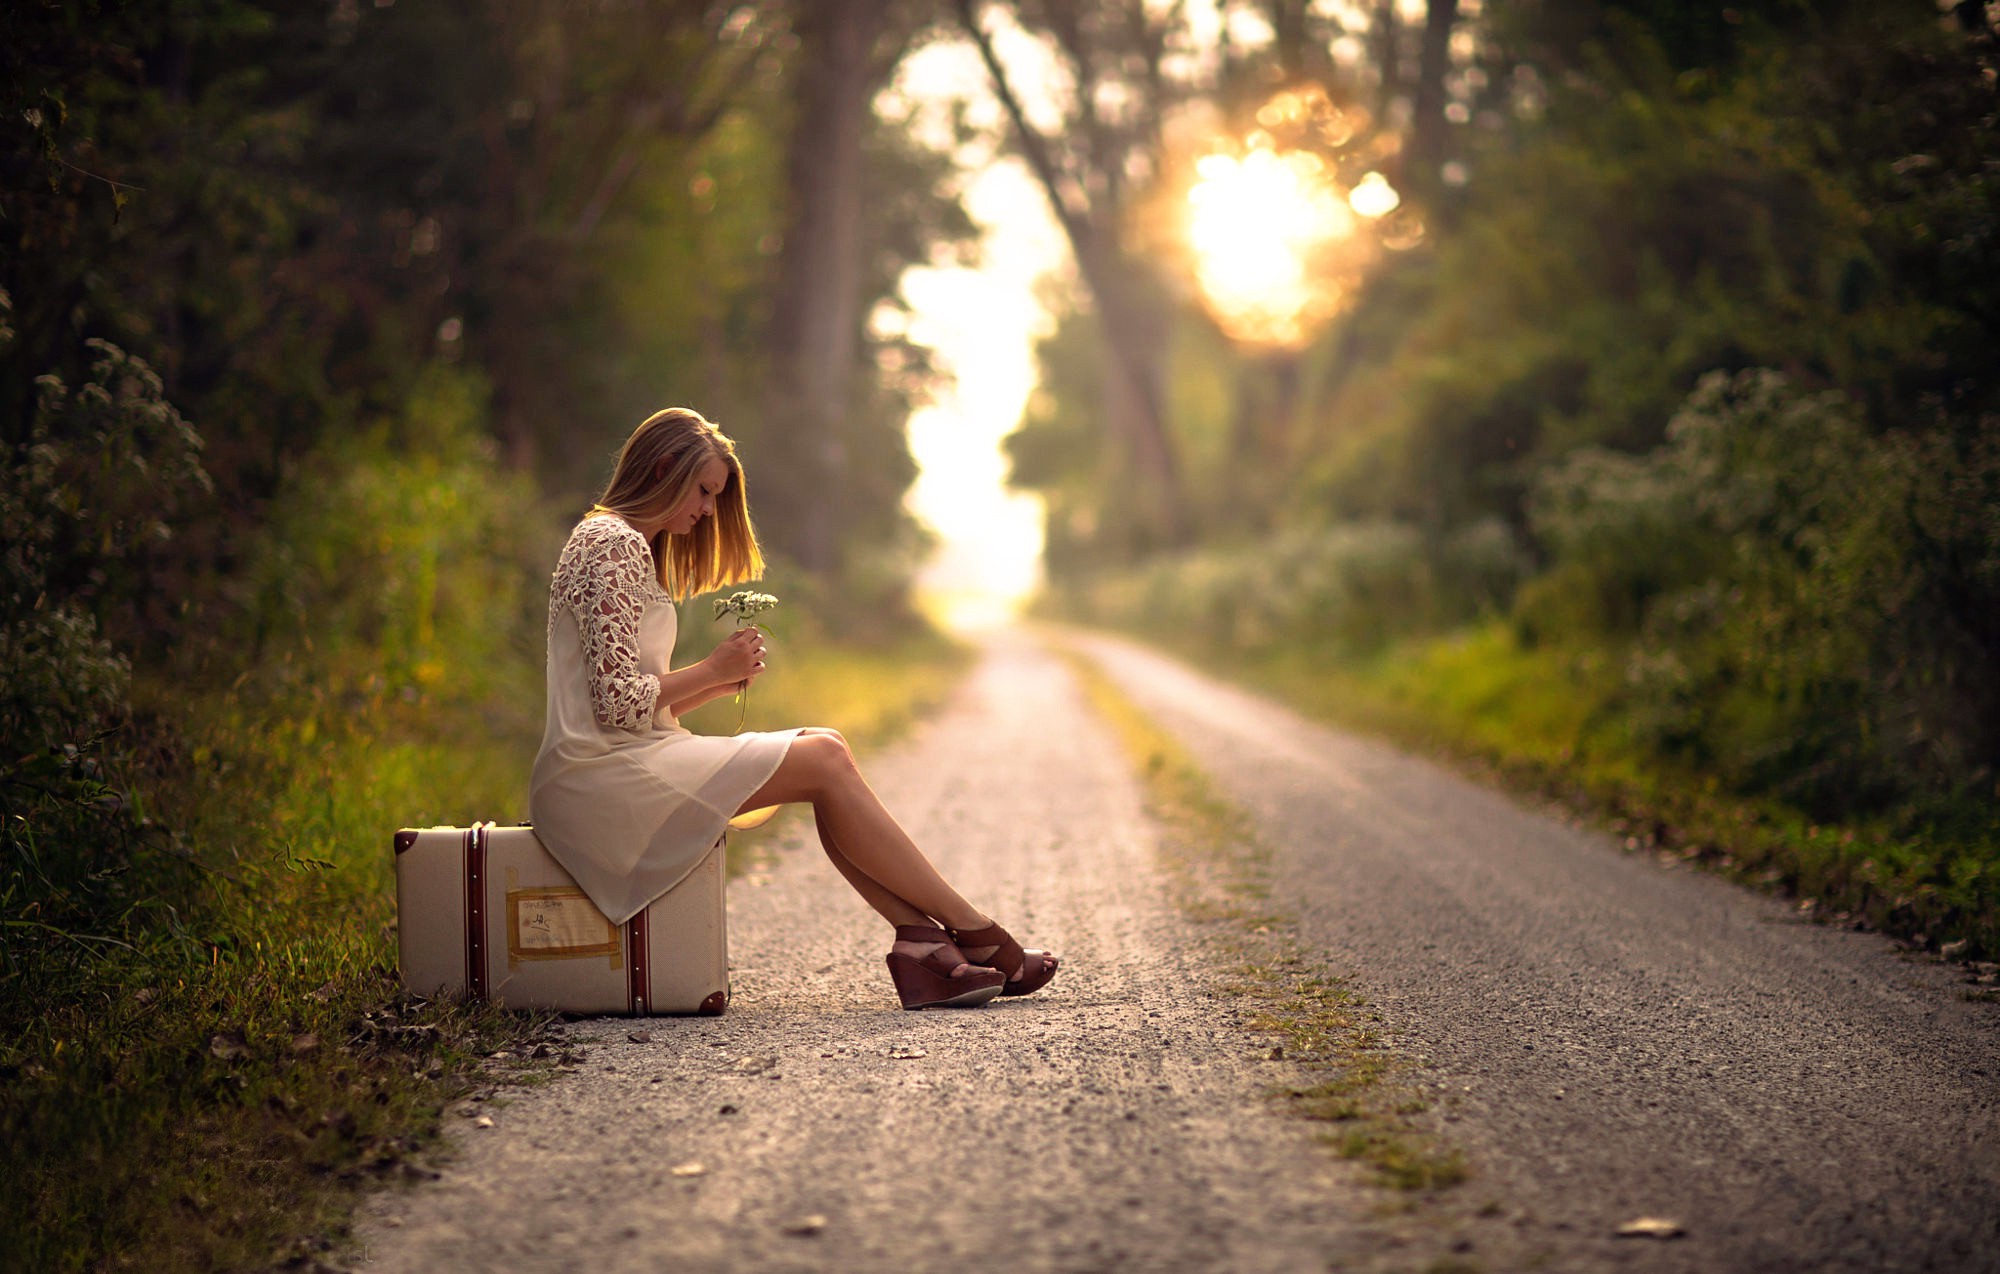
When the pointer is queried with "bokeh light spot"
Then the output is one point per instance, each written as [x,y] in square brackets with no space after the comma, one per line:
[1278,241]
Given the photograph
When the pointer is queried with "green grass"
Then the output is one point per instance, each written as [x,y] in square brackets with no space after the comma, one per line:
[1219,871]
[1548,721]
[216,1096]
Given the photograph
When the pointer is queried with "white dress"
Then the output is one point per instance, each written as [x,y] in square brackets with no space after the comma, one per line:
[625,797]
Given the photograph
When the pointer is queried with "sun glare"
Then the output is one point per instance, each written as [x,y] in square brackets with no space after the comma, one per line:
[1278,240]
[1256,223]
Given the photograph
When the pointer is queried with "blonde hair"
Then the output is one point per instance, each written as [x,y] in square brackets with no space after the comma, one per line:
[657,468]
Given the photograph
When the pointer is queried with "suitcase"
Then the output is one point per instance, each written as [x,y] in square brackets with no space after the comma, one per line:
[486,911]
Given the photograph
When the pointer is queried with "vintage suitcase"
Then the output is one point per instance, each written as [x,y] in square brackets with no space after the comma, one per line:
[486,911]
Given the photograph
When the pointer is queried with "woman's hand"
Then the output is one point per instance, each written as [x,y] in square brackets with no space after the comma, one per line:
[739,657]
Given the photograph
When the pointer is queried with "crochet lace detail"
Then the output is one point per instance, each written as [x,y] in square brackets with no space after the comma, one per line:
[604,579]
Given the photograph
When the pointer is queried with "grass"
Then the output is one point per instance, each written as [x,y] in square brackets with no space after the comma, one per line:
[215,1096]
[1220,873]
[1547,721]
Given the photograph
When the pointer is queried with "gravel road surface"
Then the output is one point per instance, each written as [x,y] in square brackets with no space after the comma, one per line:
[1607,1036]
[1616,1036]
[1112,1122]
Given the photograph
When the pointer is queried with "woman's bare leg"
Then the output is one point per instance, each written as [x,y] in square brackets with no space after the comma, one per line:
[860,834]
[892,907]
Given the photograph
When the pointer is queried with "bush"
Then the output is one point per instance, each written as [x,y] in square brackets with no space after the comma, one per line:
[1352,585]
[402,555]
[82,501]
[1804,599]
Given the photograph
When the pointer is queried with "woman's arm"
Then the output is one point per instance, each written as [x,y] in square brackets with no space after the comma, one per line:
[607,598]
[736,661]
[684,706]
[719,690]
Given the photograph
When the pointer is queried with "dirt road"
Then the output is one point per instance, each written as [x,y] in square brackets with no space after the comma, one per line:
[1621,1037]
[1607,1037]
[1114,1121]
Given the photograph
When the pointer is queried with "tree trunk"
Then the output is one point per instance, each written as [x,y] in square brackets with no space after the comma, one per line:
[816,323]
[1290,37]
[1132,316]
[1386,41]
[1428,125]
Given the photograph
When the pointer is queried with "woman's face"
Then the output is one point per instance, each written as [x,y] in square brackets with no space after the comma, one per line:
[700,501]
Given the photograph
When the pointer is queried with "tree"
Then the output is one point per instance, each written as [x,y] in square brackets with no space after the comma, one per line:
[1121,95]
[817,309]
[1427,123]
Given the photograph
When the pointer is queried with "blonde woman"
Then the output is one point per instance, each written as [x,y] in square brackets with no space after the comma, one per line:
[629,800]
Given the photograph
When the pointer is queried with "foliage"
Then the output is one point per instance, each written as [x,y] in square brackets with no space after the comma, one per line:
[1694,378]
[1550,719]
[1777,564]
[401,553]
[84,499]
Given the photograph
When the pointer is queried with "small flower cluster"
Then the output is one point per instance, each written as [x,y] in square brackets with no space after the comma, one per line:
[745,606]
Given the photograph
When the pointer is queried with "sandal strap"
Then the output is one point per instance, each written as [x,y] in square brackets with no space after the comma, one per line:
[942,961]
[1008,956]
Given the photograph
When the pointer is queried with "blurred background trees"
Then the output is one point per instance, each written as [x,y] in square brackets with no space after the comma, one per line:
[1681,359]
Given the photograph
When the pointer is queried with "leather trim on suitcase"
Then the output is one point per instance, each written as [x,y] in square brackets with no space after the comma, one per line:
[475,911]
[638,965]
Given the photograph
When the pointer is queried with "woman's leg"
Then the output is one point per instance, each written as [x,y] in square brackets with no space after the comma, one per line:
[894,908]
[877,856]
[863,839]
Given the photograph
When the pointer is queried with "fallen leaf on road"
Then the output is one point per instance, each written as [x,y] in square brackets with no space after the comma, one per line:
[1650,1227]
[639,1037]
[751,1065]
[810,1224]
[688,1169]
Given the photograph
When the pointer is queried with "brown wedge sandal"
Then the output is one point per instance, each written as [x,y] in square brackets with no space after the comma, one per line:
[1009,958]
[928,983]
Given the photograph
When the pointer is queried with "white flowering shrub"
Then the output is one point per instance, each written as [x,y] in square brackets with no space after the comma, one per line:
[103,470]
[1351,584]
[1795,591]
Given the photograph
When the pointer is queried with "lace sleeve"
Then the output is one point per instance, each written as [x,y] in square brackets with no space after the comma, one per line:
[604,585]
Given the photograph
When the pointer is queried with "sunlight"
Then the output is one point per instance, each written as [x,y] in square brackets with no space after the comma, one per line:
[1374,197]
[1278,241]
[981,322]
[1257,225]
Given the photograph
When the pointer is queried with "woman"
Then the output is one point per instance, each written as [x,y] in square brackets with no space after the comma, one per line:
[629,800]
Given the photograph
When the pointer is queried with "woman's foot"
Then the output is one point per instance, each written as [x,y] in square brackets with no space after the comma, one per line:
[1027,970]
[931,972]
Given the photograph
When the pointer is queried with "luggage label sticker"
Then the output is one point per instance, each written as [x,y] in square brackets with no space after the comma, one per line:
[558,923]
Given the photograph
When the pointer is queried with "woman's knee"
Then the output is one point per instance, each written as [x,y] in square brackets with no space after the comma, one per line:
[825,753]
